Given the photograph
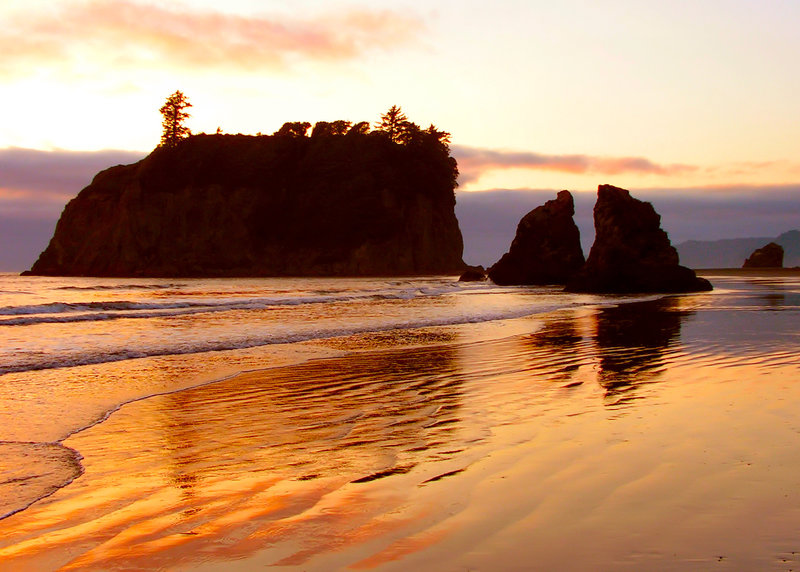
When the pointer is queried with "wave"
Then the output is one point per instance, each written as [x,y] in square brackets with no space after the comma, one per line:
[122,287]
[274,336]
[64,312]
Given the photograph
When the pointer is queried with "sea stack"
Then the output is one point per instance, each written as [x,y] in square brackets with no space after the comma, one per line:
[768,256]
[631,253]
[473,274]
[351,204]
[546,248]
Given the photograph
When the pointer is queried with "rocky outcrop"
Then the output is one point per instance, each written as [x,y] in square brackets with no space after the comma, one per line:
[281,205]
[729,252]
[473,274]
[631,253]
[769,256]
[546,248]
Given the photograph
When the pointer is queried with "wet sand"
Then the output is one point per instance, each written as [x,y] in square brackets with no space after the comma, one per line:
[659,435]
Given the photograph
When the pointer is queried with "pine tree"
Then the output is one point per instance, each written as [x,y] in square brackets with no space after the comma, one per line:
[174,116]
[393,122]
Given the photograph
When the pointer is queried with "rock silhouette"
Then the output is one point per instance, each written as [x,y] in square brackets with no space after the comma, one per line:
[729,252]
[473,274]
[631,253]
[768,256]
[351,204]
[546,248]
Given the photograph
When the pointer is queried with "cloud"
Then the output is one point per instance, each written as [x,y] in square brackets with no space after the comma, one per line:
[128,34]
[474,162]
[37,183]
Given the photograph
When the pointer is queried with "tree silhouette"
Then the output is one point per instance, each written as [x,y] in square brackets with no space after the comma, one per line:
[442,137]
[394,122]
[360,128]
[174,116]
[293,129]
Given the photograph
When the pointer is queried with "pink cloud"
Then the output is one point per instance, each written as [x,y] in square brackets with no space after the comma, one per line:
[474,162]
[137,34]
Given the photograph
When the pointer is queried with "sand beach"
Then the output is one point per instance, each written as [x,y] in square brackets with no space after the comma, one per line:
[650,433]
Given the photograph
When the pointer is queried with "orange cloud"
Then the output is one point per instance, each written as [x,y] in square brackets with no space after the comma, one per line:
[474,162]
[129,34]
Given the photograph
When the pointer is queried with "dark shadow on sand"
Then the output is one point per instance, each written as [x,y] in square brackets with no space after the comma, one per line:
[633,341]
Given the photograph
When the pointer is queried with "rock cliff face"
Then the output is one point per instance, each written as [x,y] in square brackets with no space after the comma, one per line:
[280,205]
[546,248]
[769,256]
[631,253]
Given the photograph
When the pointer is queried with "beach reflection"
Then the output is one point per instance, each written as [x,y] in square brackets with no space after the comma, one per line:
[278,455]
[633,343]
[559,337]
[361,417]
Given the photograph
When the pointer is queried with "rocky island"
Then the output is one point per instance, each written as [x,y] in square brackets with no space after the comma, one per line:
[768,256]
[344,201]
[631,253]
[546,248]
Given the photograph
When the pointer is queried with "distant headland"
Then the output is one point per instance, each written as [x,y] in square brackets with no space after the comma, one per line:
[344,200]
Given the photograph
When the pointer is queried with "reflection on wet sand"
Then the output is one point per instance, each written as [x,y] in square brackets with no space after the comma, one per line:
[300,420]
[633,341]
[502,454]
[560,337]
[208,466]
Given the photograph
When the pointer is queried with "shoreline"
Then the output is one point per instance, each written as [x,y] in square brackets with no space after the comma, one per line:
[470,450]
[335,347]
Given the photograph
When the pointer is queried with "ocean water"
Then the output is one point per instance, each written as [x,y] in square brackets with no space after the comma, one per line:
[422,423]
[72,350]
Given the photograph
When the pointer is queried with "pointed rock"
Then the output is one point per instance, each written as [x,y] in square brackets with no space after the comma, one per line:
[546,248]
[631,253]
[769,256]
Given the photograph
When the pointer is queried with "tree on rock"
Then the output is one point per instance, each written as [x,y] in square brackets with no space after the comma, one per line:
[174,116]
[395,123]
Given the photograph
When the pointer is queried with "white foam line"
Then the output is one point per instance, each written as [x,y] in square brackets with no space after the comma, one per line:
[106,414]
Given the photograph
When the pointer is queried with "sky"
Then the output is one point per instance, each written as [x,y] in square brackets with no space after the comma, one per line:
[682,102]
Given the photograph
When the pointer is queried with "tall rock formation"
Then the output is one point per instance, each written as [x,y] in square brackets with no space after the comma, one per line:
[631,253]
[769,256]
[546,248]
[351,204]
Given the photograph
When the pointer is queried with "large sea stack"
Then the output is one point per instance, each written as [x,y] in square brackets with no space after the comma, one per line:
[546,248]
[769,256]
[631,253]
[350,204]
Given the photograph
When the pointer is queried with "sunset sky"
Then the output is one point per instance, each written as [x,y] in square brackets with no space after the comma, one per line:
[701,96]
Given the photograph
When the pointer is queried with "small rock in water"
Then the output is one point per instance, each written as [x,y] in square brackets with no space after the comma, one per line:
[769,256]
[473,274]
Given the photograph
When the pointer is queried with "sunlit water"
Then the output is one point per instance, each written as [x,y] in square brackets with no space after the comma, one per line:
[398,424]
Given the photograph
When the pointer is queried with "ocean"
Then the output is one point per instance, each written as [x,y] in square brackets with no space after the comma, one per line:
[316,423]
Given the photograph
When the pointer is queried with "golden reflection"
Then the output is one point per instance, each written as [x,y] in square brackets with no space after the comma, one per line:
[561,338]
[240,464]
[480,455]
[632,342]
